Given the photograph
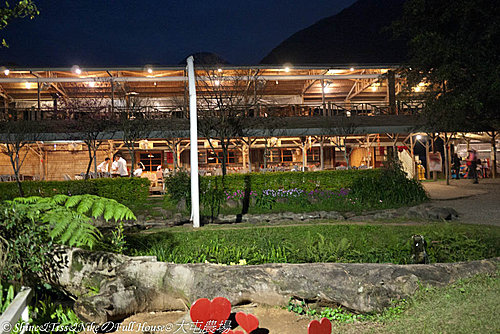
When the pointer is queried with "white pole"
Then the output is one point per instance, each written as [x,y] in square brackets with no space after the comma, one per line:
[193,130]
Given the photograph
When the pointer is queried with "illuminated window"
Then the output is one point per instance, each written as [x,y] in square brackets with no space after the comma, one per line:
[150,161]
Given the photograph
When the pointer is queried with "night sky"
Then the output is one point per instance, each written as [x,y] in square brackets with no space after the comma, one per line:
[134,33]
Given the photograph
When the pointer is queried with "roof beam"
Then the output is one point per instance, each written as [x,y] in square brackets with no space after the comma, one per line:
[182,78]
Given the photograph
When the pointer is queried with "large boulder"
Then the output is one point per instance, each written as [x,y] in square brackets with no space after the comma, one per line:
[127,285]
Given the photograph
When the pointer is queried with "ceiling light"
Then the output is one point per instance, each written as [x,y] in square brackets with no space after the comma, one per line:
[219,70]
[150,70]
[352,69]
[287,69]
[419,137]
[92,84]
[76,69]
[6,71]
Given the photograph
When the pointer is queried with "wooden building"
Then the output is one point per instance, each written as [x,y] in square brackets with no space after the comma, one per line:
[329,116]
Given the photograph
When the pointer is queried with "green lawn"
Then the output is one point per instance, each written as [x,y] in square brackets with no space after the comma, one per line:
[447,242]
[468,306]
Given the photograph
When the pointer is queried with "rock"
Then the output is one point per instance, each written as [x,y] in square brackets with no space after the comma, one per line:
[181,205]
[334,215]
[225,219]
[441,213]
[130,285]
[288,215]
[428,211]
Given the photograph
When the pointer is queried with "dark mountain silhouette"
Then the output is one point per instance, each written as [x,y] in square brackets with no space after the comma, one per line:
[356,35]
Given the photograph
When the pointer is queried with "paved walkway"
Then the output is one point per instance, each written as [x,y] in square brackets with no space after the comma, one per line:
[476,203]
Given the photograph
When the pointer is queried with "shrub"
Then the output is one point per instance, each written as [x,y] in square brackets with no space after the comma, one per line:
[124,190]
[346,190]
[390,187]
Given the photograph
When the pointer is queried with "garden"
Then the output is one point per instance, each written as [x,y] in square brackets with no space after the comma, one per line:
[55,217]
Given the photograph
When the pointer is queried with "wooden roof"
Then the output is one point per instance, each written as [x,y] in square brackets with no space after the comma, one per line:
[341,83]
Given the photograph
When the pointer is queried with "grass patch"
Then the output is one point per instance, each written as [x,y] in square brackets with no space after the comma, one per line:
[376,243]
[467,306]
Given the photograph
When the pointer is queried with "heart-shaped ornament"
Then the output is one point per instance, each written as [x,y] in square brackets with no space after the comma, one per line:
[248,322]
[216,312]
[235,332]
[320,327]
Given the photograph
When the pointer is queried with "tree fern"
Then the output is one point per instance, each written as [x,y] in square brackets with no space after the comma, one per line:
[68,218]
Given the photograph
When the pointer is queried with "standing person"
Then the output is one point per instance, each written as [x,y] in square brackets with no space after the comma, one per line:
[103,167]
[472,163]
[455,160]
[119,166]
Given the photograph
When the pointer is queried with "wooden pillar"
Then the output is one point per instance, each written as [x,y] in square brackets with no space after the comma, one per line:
[249,155]
[322,153]
[412,147]
[323,97]
[178,154]
[493,164]
[391,87]
[304,155]
[243,156]
[112,96]
[427,171]
[39,106]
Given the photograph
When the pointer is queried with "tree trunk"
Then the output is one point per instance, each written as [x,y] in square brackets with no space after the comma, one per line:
[130,285]
[15,167]
[225,147]
[90,162]
[446,158]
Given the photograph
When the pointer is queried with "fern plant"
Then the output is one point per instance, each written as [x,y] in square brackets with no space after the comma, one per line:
[31,227]
[68,218]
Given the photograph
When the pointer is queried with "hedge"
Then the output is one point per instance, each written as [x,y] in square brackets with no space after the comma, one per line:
[124,190]
[326,180]
[341,190]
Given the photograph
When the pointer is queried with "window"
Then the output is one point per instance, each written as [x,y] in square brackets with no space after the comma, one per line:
[150,161]
[217,159]
[287,155]
[280,155]
[313,154]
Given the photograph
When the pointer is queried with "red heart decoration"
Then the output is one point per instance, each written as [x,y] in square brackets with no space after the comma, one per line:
[204,310]
[235,332]
[323,327]
[248,322]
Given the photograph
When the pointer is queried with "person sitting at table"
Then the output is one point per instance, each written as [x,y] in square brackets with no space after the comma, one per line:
[138,171]
[103,167]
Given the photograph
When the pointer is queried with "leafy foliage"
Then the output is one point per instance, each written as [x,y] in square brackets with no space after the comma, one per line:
[318,243]
[124,190]
[30,227]
[390,186]
[6,296]
[455,53]
[22,9]
[300,191]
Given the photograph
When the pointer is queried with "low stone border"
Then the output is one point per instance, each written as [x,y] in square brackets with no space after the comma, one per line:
[425,211]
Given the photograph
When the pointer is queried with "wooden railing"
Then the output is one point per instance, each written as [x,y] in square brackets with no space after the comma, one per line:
[156,112]
[18,309]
